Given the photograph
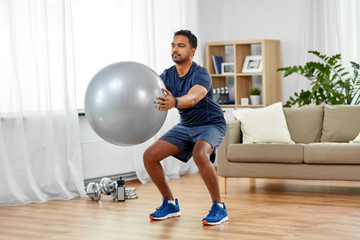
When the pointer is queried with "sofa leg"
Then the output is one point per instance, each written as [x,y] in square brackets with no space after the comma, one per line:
[222,183]
[252,181]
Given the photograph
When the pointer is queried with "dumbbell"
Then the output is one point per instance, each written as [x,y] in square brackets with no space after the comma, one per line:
[108,187]
[93,191]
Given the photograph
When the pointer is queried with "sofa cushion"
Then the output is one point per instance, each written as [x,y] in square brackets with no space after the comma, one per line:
[264,125]
[265,153]
[305,123]
[332,153]
[357,139]
[341,123]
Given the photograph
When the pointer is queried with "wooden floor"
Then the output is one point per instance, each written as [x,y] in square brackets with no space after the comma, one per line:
[268,209]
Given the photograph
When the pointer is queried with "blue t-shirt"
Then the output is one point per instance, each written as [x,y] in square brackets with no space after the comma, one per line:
[206,111]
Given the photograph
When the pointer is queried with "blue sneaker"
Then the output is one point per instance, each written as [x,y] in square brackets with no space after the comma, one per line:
[216,216]
[166,210]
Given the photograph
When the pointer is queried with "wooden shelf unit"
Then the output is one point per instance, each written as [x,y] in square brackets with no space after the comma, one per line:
[243,82]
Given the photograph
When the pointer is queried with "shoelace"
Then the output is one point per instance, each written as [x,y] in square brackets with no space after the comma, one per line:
[162,205]
[212,211]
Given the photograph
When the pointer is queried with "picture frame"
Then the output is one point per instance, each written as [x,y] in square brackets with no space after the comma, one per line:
[227,68]
[252,64]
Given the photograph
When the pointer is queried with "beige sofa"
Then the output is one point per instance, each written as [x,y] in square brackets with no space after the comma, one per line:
[322,149]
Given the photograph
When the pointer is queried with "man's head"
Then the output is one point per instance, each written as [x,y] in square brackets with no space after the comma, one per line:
[183,46]
[192,38]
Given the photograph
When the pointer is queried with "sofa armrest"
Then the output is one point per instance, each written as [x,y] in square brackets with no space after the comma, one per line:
[233,135]
[233,132]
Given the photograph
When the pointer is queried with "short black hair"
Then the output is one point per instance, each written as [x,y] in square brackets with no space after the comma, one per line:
[192,38]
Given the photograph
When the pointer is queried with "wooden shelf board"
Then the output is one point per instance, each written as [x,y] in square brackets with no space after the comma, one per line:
[227,105]
[250,106]
[250,74]
[240,106]
[237,74]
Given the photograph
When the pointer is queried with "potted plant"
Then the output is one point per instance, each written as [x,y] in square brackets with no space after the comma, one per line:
[255,96]
[331,84]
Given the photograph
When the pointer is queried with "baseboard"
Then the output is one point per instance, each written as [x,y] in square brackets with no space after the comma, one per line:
[130,176]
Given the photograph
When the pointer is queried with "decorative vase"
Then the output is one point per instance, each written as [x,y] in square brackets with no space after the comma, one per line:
[255,99]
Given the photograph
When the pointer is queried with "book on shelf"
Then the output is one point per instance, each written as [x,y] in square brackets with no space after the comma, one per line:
[218,60]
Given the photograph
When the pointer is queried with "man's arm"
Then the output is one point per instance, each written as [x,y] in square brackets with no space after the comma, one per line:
[194,95]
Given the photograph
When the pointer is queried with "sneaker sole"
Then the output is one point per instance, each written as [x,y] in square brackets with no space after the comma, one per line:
[170,215]
[225,219]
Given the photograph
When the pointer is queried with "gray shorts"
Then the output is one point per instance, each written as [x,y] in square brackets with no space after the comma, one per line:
[186,137]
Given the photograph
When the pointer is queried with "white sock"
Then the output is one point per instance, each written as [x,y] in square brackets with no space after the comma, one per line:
[172,202]
[220,205]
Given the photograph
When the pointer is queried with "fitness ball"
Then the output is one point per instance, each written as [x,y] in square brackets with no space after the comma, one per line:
[120,103]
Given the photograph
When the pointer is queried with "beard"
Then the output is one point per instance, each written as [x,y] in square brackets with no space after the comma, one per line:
[177,58]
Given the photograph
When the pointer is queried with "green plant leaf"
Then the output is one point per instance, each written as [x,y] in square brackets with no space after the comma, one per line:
[328,79]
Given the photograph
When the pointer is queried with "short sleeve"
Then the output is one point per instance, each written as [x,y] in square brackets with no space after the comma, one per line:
[202,77]
[164,77]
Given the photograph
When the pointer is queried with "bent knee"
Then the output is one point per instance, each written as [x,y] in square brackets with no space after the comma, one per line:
[150,157]
[200,154]
[201,158]
[147,156]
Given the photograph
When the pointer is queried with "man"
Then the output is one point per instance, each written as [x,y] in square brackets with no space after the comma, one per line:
[201,129]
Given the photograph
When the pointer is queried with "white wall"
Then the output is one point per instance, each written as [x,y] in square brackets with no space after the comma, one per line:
[210,22]
[283,20]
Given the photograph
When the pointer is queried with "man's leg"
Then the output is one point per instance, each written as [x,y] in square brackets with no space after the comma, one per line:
[152,157]
[201,155]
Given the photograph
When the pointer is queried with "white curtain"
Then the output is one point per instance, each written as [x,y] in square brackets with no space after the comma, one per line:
[107,31]
[321,31]
[40,156]
[331,27]
[151,46]
[350,31]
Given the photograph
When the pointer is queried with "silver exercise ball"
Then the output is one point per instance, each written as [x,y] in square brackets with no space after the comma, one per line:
[120,103]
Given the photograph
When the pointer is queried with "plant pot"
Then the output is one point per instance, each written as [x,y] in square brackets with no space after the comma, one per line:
[255,99]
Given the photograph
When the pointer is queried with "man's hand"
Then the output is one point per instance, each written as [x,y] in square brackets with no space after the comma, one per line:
[167,102]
